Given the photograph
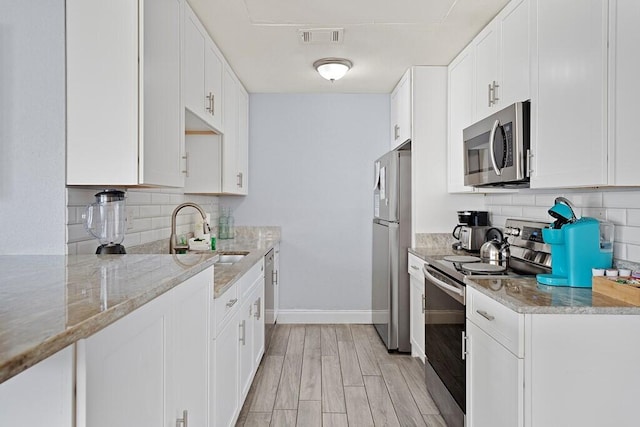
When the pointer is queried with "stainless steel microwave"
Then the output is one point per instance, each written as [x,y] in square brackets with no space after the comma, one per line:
[496,149]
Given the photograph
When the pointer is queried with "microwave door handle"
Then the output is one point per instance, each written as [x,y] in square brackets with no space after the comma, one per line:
[492,136]
[442,285]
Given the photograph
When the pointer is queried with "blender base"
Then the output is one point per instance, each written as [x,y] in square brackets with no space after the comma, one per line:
[110,250]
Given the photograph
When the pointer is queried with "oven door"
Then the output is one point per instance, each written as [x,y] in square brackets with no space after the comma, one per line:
[444,330]
[495,149]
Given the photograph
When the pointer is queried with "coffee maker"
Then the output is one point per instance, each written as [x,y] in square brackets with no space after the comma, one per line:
[105,220]
[577,246]
[471,230]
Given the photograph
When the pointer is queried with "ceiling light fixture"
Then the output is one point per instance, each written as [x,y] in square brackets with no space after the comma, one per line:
[332,69]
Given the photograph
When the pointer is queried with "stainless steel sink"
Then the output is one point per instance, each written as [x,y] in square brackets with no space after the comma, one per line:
[231,258]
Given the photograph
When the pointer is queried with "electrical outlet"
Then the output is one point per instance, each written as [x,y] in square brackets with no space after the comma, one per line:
[129,219]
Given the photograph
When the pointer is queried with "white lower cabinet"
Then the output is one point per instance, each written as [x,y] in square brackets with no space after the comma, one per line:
[416,297]
[238,345]
[150,367]
[543,370]
[40,396]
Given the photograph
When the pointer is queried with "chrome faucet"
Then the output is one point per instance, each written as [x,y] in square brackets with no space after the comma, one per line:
[173,240]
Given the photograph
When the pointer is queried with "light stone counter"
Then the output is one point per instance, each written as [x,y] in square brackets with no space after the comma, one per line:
[525,295]
[48,302]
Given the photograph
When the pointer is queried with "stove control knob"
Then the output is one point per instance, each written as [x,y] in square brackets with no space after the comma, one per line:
[512,231]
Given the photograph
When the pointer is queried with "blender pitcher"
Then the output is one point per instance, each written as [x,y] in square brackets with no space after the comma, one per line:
[105,220]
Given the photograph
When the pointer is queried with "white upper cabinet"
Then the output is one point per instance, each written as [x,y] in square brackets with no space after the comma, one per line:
[502,72]
[123,92]
[569,94]
[203,67]
[230,178]
[401,111]
[624,91]
[461,106]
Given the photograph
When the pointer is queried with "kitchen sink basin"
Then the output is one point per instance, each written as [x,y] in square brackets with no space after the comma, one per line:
[231,258]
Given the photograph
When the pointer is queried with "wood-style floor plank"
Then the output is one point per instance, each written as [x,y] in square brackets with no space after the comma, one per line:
[351,375]
[258,419]
[405,406]
[332,390]
[267,386]
[366,358]
[380,403]
[358,410]
[284,418]
[289,390]
[312,339]
[310,413]
[311,381]
[343,333]
[413,372]
[296,340]
[334,420]
[434,421]
[279,340]
[329,341]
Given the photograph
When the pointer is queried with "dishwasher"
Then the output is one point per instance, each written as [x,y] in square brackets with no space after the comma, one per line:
[269,298]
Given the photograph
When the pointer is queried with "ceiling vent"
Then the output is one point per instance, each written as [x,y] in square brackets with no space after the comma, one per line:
[321,35]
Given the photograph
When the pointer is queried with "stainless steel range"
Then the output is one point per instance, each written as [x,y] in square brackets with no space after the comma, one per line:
[445,309]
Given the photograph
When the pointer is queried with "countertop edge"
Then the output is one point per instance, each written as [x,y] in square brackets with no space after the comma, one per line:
[33,355]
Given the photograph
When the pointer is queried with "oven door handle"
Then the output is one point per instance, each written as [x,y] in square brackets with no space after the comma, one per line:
[442,285]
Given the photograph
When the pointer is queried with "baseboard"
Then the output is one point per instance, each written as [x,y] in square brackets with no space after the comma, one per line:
[325,316]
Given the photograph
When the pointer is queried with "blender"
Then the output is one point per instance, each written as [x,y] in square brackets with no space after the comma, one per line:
[105,220]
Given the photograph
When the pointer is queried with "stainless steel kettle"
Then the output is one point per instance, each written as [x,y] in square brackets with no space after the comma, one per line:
[496,251]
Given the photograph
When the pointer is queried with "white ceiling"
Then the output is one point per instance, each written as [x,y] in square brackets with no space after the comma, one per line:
[382,38]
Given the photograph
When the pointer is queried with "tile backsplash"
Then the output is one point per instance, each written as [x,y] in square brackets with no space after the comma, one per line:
[149,209]
[619,206]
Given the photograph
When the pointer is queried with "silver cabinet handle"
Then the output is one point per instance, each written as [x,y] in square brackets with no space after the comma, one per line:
[184,421]
[186,164]
[415,267]
[424,304]
[242,337]
[211,108]
[529,156]
[464,346]
[258,305]
[495,98]
[492,154]
[232,302]
[485,315]
[239,182]
[396,132]
[489,91]
[275,277]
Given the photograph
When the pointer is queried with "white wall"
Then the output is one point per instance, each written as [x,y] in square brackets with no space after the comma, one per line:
[311,164]
[32,127]
[619,206]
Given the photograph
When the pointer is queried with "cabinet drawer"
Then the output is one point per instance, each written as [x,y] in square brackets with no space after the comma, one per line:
[249,278]
[503,324]
[415,267]
[225,305]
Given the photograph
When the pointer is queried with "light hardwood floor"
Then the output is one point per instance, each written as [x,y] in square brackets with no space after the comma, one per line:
[337,375]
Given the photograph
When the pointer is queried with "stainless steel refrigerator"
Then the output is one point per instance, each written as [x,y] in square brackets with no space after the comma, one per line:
[391,240]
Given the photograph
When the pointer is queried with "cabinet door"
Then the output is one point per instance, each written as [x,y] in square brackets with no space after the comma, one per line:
[225,377]
[42,395]
[495,382]
[242,152]
[193,81]
[258,320]
[245,343]
[515,76]
[160,149]
[213,85]
[417,317]
[461,107]
[190,348]
[569,97]
[487,57]
[121,370]
[230,178]
[204,159]
[624,91]
[401,111]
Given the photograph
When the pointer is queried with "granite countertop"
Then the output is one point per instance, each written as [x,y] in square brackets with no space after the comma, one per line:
[525,295]
[48,302]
